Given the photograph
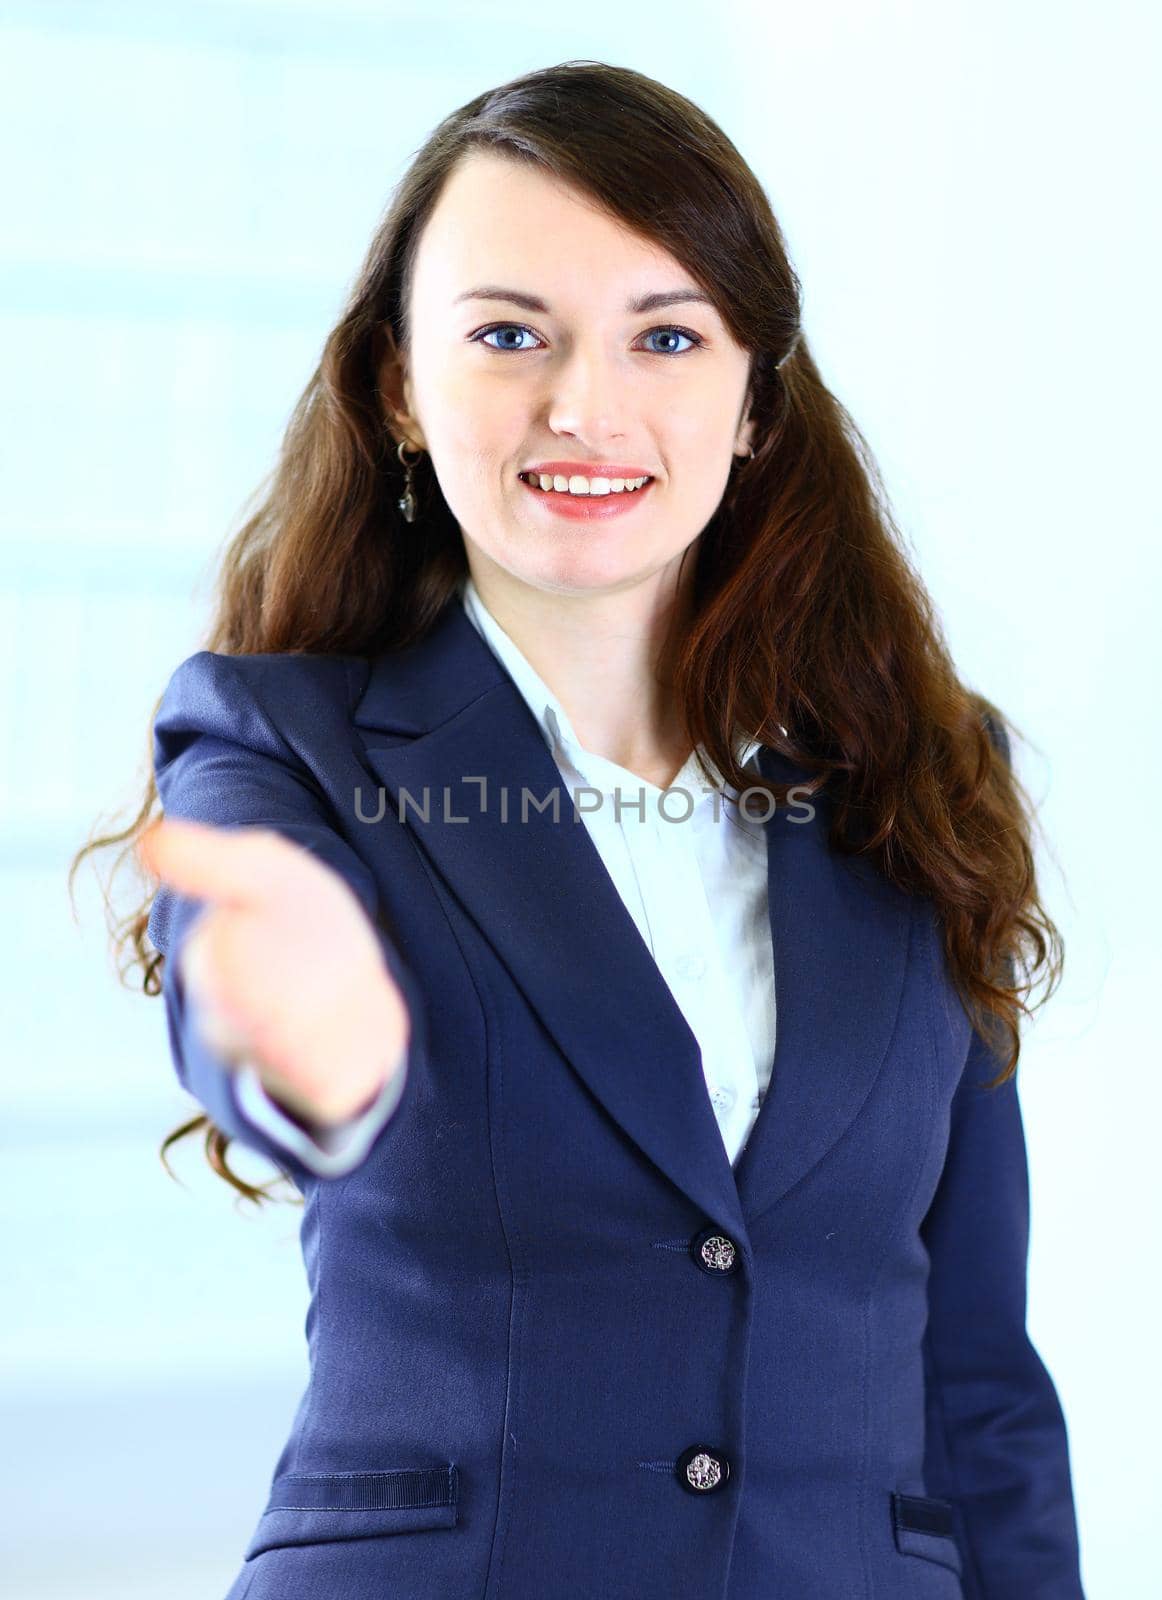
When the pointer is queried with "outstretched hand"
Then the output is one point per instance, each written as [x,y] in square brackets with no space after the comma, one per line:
[282,966]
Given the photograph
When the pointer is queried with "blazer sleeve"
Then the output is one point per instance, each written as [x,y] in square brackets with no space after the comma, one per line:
[996,1444]
[219,758]
[330,1150]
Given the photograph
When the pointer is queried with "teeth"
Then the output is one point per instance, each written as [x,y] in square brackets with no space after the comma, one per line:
[581,485]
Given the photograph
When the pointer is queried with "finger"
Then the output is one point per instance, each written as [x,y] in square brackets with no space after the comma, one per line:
[234,866]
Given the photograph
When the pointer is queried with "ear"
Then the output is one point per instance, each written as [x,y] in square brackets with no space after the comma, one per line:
[744,439]
[395,391]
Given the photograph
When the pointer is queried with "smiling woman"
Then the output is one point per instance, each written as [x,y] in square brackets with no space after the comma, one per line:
[616,1287]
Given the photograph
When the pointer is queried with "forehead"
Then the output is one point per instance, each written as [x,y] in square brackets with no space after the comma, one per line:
[499,220]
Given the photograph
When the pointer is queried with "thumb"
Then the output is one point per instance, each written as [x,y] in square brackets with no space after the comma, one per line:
[227,865]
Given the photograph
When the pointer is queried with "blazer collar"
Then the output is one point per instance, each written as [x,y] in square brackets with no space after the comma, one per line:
[444,721]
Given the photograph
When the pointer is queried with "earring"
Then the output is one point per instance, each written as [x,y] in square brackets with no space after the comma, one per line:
[407,500]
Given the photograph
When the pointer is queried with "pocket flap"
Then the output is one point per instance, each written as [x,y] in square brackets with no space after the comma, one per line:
[925,1526]
[309,1507]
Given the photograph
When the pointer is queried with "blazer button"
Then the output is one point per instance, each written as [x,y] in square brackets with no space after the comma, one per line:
[702,1470]
[714,1252]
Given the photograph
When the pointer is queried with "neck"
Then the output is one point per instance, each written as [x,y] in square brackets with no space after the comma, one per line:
[605,656]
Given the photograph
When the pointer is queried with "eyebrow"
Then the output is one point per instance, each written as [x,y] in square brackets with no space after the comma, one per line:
[530,302]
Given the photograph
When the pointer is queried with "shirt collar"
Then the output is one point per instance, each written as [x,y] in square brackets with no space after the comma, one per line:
[553,719]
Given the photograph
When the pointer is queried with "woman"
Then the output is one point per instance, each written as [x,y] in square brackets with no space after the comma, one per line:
[616,1285]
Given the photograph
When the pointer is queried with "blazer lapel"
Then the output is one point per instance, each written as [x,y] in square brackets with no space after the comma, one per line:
[840,933]
[443,721]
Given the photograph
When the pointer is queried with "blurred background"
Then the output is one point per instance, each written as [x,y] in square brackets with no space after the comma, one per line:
[189,190]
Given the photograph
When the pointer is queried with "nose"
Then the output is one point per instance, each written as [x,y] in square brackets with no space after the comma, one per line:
[588,395]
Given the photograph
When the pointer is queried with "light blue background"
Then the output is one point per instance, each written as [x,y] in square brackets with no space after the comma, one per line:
[188,190]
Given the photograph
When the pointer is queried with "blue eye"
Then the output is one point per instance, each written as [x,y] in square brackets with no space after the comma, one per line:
[676,333]
[485,334]
[502,327]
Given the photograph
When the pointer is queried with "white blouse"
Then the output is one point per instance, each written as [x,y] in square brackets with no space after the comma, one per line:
[693,876]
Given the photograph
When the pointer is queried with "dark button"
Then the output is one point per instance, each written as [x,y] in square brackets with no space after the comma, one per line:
[702,1469]
[714,1252]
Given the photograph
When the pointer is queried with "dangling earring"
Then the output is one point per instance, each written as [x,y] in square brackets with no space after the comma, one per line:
[407,500]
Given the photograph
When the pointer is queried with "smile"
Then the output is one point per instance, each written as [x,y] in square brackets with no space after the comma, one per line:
[586,499]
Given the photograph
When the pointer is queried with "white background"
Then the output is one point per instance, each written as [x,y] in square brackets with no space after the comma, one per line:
[968,192]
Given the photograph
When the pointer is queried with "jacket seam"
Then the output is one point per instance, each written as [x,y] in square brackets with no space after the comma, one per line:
[304,1432]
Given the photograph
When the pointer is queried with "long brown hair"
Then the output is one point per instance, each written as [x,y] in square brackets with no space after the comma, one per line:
[806,613]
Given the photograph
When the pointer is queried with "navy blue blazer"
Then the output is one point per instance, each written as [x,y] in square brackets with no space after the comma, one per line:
[559,1346]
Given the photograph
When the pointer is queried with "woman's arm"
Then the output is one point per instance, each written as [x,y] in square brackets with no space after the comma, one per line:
[219,759]
[997,1446]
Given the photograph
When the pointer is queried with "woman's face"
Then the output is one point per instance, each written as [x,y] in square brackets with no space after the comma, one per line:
[579,382]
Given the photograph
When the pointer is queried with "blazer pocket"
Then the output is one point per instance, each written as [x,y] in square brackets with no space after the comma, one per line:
[924,1526]
[310,1507]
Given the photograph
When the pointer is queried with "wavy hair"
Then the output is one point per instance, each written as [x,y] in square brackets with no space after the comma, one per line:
[807,615]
